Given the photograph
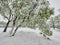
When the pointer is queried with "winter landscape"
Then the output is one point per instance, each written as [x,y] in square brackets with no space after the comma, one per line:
[26,36]
[29,22]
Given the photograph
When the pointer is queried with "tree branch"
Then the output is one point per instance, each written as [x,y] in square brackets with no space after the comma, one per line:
[5,17]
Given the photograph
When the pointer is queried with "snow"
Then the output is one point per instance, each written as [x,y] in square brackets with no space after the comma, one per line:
[56,35]
[26,36]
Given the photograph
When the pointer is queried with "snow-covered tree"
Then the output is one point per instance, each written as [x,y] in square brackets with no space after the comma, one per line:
[29,13]
[6,12]
[55,22]
[38,15]
[26,13]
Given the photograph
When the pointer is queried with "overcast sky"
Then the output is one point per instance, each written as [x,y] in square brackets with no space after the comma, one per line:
[56,5]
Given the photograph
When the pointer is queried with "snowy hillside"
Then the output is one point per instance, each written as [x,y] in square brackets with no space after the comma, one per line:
[26,36]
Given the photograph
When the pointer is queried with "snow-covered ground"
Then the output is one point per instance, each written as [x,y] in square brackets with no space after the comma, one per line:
[26,36]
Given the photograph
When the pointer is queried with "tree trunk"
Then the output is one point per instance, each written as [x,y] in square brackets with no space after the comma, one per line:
[13,24]
[11,30]
[6,26]
[15,30]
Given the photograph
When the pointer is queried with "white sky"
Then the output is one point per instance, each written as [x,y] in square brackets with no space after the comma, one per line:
[56,5]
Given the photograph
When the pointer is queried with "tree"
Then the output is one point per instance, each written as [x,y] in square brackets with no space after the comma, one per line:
[6,12]
[45,12]
[25,13]
[39,18]
[29,13]
[55,22]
